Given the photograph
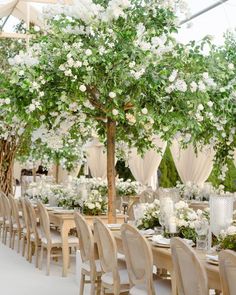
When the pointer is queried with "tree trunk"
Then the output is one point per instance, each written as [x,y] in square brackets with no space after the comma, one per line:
[7,155]
[111,173]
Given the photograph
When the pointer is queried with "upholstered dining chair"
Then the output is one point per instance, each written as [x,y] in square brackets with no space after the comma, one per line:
[50,238]
[113,279]
[26,230]
[227,264]
[90,266]
[35,232]
[139,259]
[17,224]
[7,220]
[191,277]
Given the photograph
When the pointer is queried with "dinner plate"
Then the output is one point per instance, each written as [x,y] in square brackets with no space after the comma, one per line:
[214,262]
[160,245]
[114,226]
[63,211]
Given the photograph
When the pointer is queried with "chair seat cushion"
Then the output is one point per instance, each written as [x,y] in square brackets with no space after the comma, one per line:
[162,287]
[108,278]
[86,266]
[56,239]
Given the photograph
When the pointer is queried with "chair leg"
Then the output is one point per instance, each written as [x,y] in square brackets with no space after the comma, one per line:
[13,240]
[92,289]
[48,261]
[23,245]
[102,290]
[81,289]
[36,255]
[29,254]
[41,258]
[19,240]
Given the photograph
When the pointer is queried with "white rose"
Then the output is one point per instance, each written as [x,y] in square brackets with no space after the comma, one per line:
[115,112]
[144,111]
[112,94]
[210,103]
[200,107]
[132,64]
[91,206]
[88,52]
[82,88]
[231,66]
[7,101]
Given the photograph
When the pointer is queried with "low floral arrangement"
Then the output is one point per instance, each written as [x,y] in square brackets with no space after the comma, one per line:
[187,219]
[227,239]
[124,188]
[193,191]
[96,204]
[151,216]
[55,194]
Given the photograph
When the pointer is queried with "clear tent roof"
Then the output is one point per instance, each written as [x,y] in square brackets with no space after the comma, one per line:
[214,22]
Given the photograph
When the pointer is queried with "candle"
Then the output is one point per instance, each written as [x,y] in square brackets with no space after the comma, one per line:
[172,225]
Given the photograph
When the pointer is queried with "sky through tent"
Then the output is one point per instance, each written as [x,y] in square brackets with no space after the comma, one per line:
[214,22]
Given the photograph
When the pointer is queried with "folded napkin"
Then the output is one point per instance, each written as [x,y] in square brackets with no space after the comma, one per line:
[114,225]
[189,242]
[160,240]
[212,257]
[145,232]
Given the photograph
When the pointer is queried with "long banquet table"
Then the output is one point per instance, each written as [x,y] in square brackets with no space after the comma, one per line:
[163,260]
[162,256]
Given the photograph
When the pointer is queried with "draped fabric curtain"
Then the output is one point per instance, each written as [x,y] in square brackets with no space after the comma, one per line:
[192,167]
[97,159]
[144,169]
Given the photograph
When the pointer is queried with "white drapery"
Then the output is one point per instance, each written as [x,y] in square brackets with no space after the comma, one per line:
[63,174]
[192,167]
[97,158]
[144,169]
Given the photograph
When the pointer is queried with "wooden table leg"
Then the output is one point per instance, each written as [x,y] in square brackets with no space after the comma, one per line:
[65,248]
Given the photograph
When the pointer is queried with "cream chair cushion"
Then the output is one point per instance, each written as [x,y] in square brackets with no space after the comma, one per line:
[56,239]
[86,266]
[162,287]
[108,277]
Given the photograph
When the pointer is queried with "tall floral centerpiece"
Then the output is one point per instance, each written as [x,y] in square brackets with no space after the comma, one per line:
[106,60]
[114,66]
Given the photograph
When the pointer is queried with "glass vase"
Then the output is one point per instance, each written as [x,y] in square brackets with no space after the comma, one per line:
[221,213]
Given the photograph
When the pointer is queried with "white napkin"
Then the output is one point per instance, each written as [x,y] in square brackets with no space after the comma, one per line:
[189,242]
[114,225]
[160,240]
[212,257]
[145,232]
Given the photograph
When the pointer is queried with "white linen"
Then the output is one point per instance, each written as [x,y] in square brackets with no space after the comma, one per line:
[97,159]
[192,167]
[144,169]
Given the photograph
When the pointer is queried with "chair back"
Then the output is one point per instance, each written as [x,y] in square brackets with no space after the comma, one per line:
[138,256]
[189,271]
[86,240]
[7,209]
[2,211]
[15,211]
[227,264]
[44,222]
[25,215]
[107,249]
[32,218]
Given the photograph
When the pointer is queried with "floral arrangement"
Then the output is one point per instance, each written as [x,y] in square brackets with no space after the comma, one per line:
[193,191]
[56,194]
[96,204]
[124,188]
[151,216]
[227,239]
[187,218]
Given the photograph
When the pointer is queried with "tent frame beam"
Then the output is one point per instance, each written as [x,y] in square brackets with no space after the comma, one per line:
[218,3]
